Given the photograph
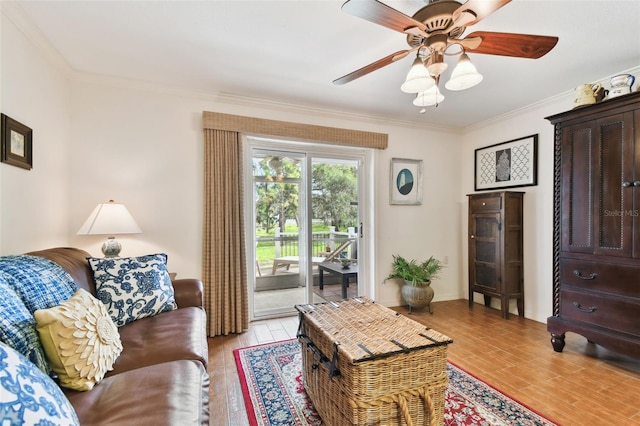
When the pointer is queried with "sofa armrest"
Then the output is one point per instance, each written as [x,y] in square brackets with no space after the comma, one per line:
[188,292]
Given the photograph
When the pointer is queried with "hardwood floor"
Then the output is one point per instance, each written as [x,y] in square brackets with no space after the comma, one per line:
[584,385]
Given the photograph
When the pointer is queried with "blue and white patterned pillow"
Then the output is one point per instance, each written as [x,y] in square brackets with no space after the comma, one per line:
[28,396]
[133,287]
[18,326]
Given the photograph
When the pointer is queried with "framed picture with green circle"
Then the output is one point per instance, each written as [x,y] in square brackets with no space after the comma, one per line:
[406,182]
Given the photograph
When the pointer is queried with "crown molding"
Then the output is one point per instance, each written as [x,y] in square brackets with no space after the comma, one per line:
[248,101]
[566,95]
[14,12]
[516,112]
[229,98]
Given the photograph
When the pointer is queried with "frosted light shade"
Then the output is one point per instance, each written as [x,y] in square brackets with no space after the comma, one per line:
[437,68]
[109,219]
[428,97]
[464,75]
[418,78]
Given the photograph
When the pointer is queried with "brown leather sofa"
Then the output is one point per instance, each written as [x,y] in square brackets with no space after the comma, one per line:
[160,378]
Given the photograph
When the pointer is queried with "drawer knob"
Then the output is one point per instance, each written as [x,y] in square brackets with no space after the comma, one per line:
[484,204]
[578,274]
[588,310]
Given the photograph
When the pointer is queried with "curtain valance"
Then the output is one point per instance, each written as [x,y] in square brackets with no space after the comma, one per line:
[286,129]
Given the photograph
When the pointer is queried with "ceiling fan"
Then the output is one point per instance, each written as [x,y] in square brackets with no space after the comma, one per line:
[435,31]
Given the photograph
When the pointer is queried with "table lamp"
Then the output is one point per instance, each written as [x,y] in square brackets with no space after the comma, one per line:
[110,219]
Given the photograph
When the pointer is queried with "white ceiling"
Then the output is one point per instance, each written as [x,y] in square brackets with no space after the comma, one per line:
[290,51]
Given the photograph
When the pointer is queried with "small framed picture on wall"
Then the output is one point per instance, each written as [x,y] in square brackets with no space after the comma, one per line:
[16,143]
[405,186]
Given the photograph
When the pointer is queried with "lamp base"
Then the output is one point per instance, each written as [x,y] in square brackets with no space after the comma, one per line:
[111,247]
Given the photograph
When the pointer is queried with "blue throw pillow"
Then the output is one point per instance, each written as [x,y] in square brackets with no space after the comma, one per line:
[28,396]
[133,287]
[18,326]
[40,283]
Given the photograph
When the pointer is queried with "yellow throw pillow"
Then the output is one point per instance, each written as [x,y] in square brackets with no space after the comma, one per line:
[80,340]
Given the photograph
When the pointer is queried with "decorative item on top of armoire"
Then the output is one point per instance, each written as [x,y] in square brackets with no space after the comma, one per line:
[495,248]
[621,85]
[16,143]
[596,244]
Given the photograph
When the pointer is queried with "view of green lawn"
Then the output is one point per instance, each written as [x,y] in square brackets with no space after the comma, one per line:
[265,251]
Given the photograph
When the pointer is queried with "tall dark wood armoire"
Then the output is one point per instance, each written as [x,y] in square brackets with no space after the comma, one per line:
[495,248]
[596,246]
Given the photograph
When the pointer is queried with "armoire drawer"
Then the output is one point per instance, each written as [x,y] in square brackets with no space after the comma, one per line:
[485,204]
[597,309]
[623,280]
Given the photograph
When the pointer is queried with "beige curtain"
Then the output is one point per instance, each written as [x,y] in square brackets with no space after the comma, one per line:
[224,271]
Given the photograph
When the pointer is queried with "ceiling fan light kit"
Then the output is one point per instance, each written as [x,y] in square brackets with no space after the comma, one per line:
[464,75]
[418,78]
[429,97]
[436,64]
[432,31]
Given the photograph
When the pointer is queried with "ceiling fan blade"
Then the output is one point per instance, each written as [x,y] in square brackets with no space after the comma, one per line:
[467,43]
[372,67]
[479,9]
[510,44]
[381,14]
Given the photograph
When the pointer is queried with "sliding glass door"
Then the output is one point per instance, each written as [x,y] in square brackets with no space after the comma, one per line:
[303,220]
[279,225]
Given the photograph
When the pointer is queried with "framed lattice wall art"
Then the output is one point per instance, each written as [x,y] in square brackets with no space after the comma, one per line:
[507,164]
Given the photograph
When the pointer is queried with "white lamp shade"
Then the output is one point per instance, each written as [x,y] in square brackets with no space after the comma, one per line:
[418,78]
[464,75]
[428,97]
[109,219]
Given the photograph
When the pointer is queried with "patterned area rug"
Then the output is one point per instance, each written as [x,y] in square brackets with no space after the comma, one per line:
[274,395]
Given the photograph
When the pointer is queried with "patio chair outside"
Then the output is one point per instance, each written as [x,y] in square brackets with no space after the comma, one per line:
[326,257]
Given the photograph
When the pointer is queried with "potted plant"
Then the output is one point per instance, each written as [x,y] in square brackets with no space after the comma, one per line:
[416,276]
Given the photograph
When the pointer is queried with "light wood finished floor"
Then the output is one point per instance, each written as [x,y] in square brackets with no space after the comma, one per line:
[584,385]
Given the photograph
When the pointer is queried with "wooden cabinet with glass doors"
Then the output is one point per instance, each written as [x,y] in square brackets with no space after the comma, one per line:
[495,248]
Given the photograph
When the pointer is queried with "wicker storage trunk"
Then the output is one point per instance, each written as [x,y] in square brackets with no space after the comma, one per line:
[364,364]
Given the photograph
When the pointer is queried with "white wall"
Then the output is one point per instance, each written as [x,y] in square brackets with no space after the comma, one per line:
[142,149]
[429,229]
[35,91]
[538,200]
[142,146]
